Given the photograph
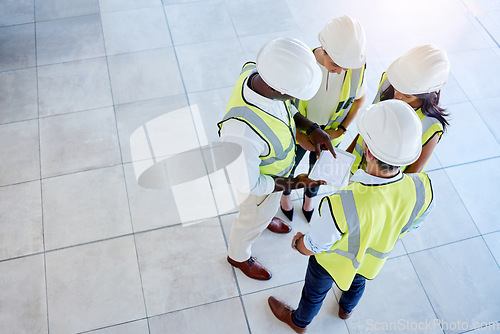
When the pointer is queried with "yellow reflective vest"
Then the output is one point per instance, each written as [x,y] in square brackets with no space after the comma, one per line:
[371,219]
[279,135]
[430,127]
[353,79]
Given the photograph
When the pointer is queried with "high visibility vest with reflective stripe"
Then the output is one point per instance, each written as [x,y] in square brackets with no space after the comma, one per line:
[353,79]
[371,219]
[430,127]
[279,136]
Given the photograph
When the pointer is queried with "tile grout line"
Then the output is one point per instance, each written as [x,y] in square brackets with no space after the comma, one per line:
[124,172]
[40,170]
[423,288]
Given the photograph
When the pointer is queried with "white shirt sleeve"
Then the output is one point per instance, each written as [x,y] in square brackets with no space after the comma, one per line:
[293,110]
[362,90]
[323,233]
[253,146]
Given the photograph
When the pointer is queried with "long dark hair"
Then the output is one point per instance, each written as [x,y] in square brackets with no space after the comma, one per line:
[430,104]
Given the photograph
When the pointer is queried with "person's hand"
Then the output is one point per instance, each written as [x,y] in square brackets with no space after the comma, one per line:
[304,141]
[321,141]
[296,237]
[305,182]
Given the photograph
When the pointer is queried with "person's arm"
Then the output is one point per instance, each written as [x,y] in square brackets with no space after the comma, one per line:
[427,150]
[319,138]
[351,147]
[351,115]
[298,244]
[304,141]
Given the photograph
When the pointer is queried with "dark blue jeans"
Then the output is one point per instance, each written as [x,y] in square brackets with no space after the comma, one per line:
[317,284]
[299,154]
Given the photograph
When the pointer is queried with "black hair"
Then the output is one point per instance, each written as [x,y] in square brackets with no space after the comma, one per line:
[430,104]
[386,166]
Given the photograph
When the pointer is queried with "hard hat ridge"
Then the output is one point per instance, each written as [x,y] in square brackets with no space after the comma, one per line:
[289,66]
[392,131]
[343,38]
[423,69]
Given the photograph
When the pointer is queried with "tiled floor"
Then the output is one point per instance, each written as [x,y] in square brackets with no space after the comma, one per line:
[95,92]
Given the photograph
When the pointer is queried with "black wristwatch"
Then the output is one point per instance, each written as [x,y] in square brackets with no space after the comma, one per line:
[313,127]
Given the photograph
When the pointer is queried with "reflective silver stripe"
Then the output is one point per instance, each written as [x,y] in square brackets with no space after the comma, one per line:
[376,253]
[359,149]
[249,115]
[353,224]
[352,94]
[420,192]
[427,122]
[352,219]
[271,160]
[258,122]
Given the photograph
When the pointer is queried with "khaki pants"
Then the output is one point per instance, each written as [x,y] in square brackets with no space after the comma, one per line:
[255,214]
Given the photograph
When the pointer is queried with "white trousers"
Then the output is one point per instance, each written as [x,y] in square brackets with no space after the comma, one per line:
[253,218]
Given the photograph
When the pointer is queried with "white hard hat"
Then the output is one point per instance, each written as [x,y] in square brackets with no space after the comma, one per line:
[423,69]
[343,38]
[289,66]
[392,131]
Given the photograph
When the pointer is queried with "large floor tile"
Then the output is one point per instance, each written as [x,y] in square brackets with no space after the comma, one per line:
[209,65]
[78,141]
[16,12]
[477,186]
[19,151]
[108,6]
[144,75]
[135,30]
[150,208]
[136,327]
[452,93]
[251,20]
[487,108]
[226,316]
[262,320]
[84,207]
[493,242]
[443,225]
[73,86]
[18,47]
[155,129]
[19,95]
[93,286]
[273,251]
[473,68]
[184,267]
[393,302]
[21,223]
[460,280]
[58,9]
[461,33]
[455,148]
[69,39]
[210,105]
[192,23]
[23,298]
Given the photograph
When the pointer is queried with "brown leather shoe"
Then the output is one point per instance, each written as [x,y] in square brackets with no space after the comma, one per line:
[284,313]
[251,268]
[277,225]
[342,314]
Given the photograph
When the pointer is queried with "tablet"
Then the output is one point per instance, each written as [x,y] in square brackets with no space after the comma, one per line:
[335,171]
